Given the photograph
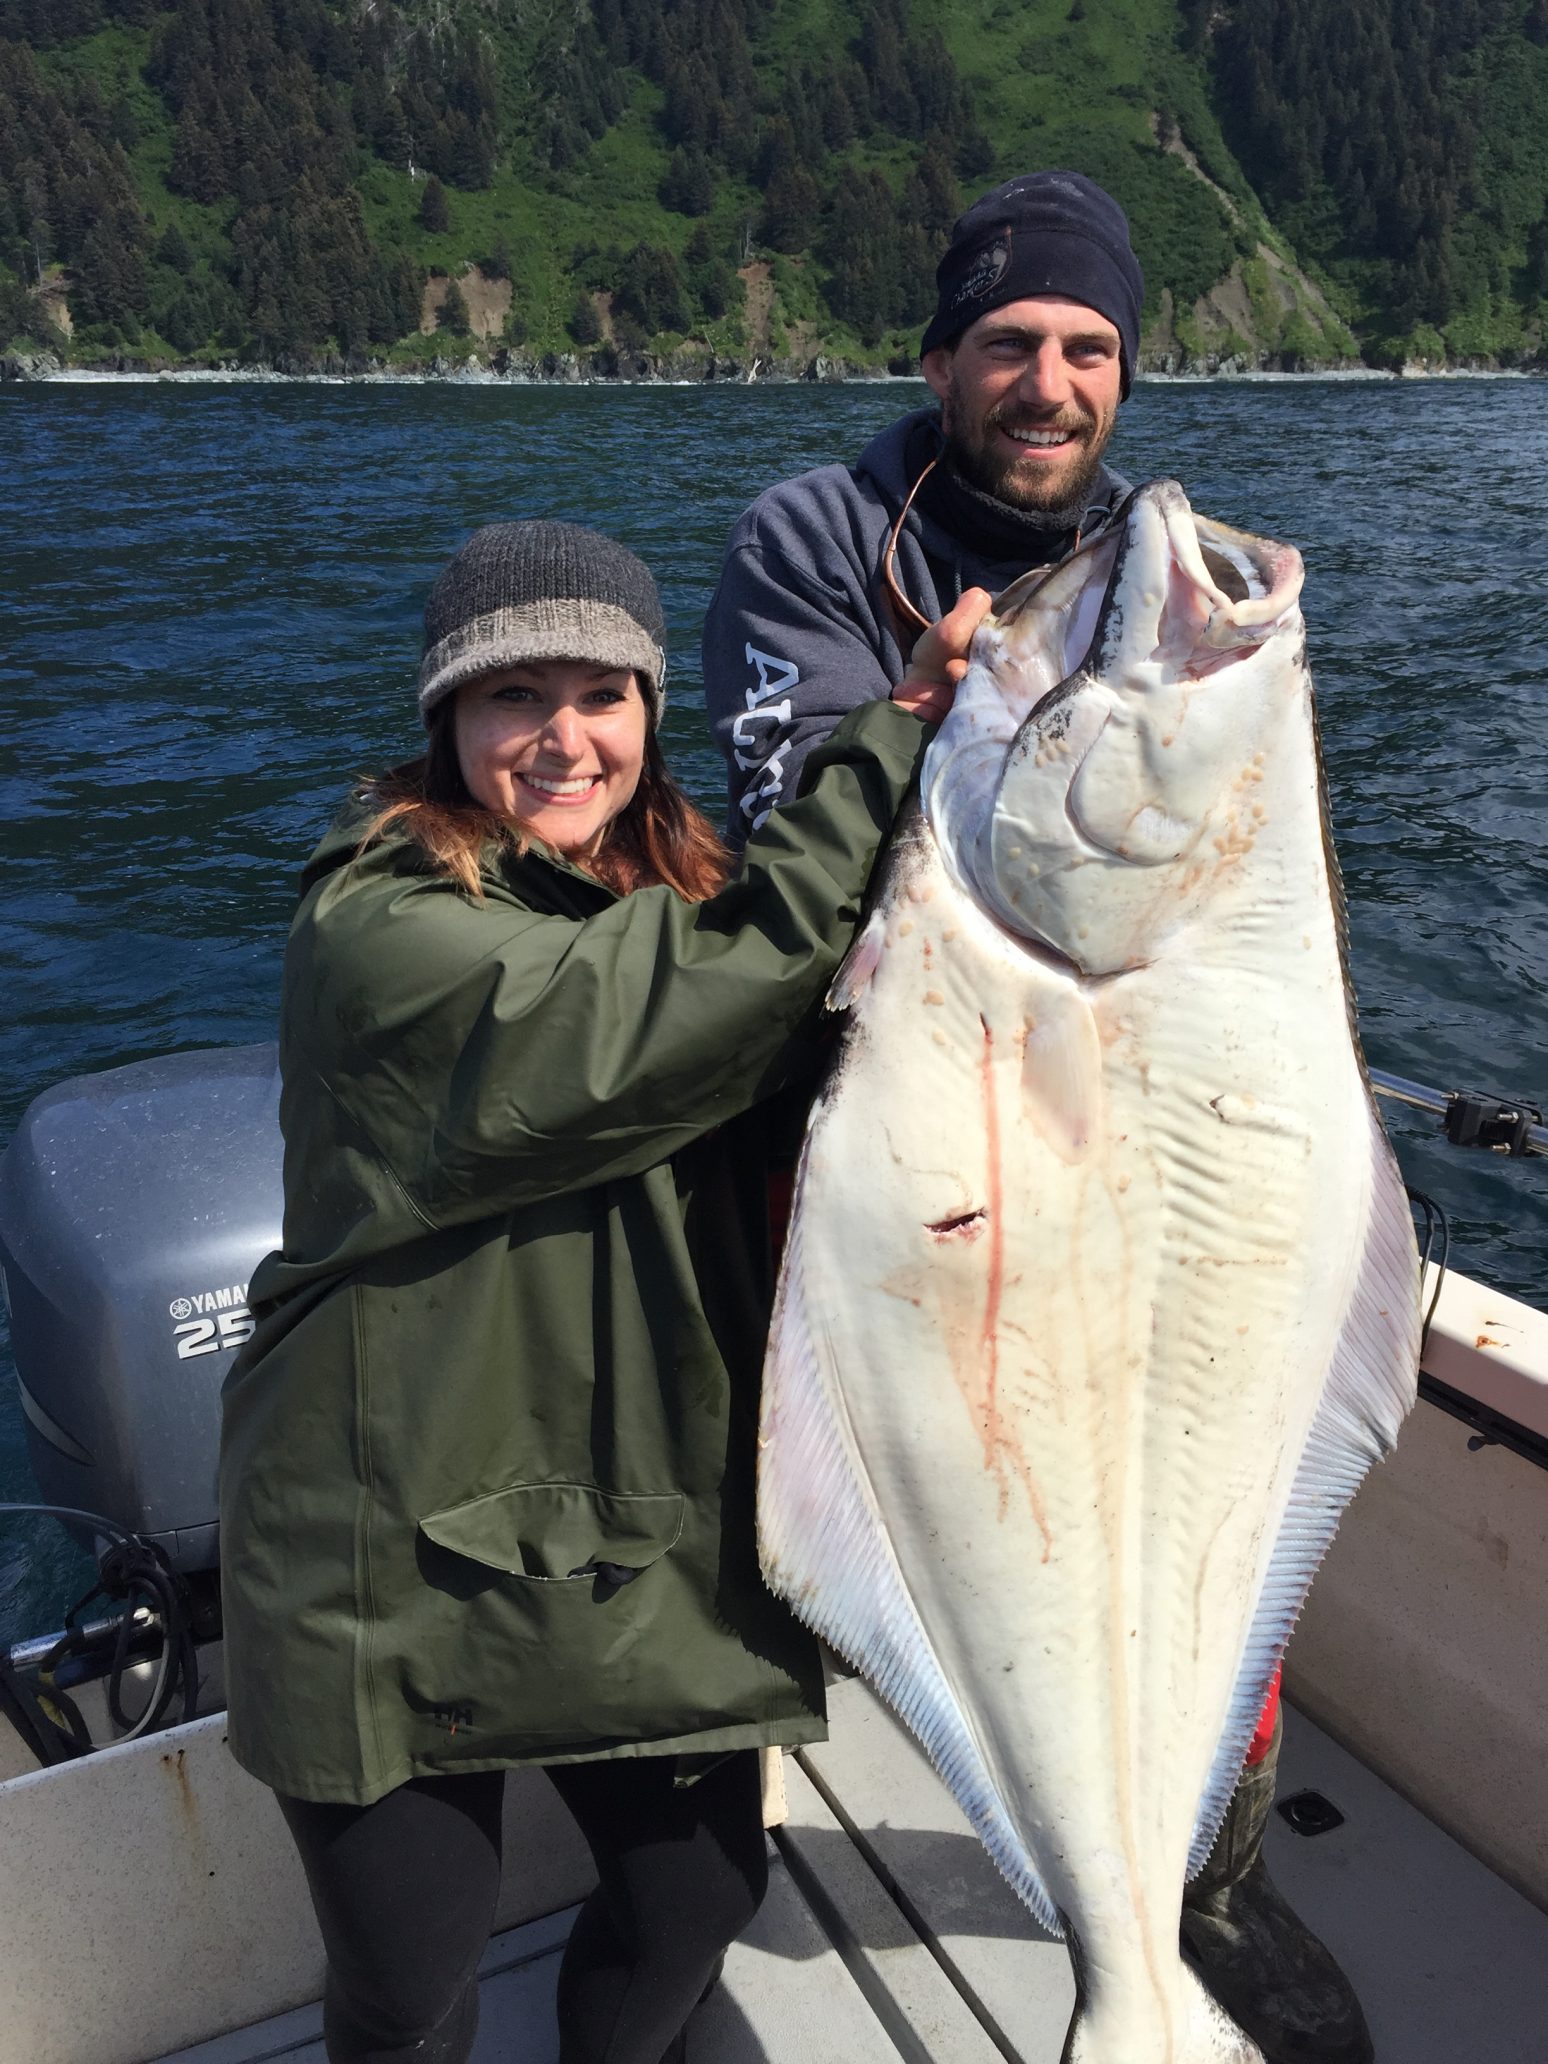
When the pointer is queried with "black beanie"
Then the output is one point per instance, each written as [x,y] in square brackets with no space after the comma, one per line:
[538,590]
[1041,233]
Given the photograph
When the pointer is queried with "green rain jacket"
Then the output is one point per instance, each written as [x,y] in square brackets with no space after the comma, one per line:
[488,1460]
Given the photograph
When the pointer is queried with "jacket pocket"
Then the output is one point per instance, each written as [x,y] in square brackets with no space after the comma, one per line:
[557,1533]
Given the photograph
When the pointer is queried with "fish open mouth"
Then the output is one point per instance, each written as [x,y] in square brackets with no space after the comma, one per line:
[1080,734]
[1207,592]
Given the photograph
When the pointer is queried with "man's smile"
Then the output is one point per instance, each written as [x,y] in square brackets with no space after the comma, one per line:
[1040,436]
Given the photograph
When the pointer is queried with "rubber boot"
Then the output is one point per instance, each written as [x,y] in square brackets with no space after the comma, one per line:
[1272,1976]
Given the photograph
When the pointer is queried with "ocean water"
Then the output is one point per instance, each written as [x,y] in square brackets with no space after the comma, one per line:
[209,600]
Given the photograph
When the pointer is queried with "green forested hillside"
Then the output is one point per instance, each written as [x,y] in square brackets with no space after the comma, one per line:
[625,182]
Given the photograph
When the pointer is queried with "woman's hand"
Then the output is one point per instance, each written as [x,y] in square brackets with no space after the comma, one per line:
[939,659]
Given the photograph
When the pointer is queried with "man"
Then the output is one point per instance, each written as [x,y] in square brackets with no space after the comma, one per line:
[829,579]
[1030,351]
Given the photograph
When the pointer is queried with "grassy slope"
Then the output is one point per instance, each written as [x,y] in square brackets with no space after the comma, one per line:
[115,57]
[1049,90]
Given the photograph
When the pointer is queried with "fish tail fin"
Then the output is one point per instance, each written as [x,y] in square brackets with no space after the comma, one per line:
[1128,2031]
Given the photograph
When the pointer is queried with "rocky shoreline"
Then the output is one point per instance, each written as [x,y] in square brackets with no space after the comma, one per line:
[607,366]
[553,368]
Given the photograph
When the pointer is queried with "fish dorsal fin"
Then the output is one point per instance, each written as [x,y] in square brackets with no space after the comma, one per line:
[825,1550]
[1370,1385]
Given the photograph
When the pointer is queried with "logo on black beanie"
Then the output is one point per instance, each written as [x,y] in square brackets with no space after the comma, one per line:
[986,271]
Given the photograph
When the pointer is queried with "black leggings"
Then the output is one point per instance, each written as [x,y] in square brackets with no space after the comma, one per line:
[405,1893]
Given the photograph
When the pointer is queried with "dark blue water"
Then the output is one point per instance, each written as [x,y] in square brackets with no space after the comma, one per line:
[209,605]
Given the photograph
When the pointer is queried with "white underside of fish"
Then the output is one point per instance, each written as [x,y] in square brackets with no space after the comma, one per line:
[1098,1303]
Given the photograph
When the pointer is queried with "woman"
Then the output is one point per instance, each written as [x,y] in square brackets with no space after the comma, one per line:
[487,1482]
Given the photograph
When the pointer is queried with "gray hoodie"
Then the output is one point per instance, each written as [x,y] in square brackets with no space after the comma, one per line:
[801,630]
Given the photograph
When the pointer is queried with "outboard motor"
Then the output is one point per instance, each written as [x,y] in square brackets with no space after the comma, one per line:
[134,1207]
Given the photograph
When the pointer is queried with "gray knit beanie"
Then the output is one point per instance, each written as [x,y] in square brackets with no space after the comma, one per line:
[538,590]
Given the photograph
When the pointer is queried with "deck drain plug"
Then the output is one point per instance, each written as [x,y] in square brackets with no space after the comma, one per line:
[1308,1813]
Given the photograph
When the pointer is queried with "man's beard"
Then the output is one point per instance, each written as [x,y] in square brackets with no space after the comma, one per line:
[1063,495]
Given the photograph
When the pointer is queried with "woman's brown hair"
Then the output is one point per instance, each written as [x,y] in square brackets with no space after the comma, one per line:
[658,836]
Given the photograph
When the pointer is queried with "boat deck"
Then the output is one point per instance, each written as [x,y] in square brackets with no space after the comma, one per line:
[888,1934]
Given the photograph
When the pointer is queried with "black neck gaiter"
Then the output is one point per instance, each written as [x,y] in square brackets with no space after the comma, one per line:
[993,529]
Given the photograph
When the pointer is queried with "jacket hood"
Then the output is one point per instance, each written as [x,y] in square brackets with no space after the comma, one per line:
[892,459]
[395,851]
[337,846]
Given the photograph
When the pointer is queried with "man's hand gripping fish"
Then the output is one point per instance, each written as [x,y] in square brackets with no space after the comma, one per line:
[1101,1293]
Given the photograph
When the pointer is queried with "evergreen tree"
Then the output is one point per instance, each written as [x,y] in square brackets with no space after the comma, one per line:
[184,321]
[497,265]
[801,106]
[630,336]
[1536,282]
[452,315]
[860,245]
[434,214]
[931,197]
[839,127]
[883,35]
[583,324]
[174,249]
[688,188]
[649,290]
[792,207]
[685,116]
[709,273]
[15,309]
[395,301]
[201,146]
[1352,120]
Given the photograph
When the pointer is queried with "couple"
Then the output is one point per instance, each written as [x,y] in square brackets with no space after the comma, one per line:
[488,1469]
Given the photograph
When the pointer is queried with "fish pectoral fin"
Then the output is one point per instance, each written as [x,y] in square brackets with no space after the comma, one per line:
[1061,1074]
[859,964]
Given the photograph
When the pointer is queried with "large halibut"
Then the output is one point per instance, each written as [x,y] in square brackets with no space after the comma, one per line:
[1101,1293]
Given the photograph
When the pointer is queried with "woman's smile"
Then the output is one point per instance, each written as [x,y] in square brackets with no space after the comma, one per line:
[562,788]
